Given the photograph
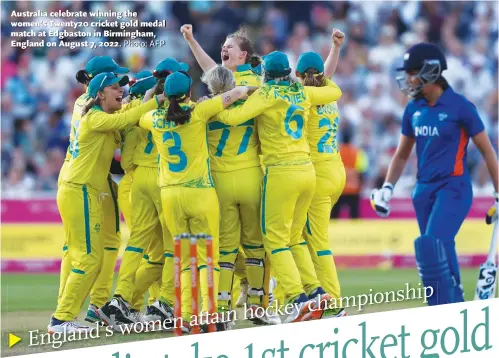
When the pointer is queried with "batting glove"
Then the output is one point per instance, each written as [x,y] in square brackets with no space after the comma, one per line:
[492,213]
[380,200]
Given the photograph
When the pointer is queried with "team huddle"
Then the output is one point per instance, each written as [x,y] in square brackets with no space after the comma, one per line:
[255,165]
[240,165]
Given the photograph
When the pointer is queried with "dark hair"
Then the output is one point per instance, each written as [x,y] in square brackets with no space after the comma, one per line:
[83,77]
[176,113]
[312,78]
[245,44]
[441,81]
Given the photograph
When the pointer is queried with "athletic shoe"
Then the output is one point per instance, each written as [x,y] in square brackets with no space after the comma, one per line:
[321,297]
[57,326]
[136,316]
[92,315]
[219,327]
[304,309]
[262,317]
[115,313]
[149,316]
[243,295]
[334,313]
[161,311]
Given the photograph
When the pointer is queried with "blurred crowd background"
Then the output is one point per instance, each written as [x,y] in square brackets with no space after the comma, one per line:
[39,88]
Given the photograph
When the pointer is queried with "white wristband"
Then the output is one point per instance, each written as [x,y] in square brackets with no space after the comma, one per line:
[388,185]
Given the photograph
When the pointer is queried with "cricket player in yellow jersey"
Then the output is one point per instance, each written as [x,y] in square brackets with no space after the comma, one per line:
[148,231]
[180,134]
[82,187]
[237,174]
[323,125]
[110,229]
[281,110]
[139,85]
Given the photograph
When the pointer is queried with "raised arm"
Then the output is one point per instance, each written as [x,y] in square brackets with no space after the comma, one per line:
[334,54]
[325,94]
[205,62]
[101,121]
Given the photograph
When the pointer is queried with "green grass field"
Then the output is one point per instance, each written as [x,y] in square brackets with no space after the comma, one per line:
[29,300]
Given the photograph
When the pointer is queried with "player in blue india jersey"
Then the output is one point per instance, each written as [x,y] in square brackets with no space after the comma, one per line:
[440,122]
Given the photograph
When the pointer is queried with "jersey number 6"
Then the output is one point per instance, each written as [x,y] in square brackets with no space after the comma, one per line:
[175,151]
[291,116]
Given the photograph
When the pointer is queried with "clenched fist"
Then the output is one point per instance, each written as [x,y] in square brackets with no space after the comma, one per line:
[338,37]
[186,30]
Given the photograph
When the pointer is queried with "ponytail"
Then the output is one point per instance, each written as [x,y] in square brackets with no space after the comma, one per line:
[88,105]
[442,82]
[83,77]
[312,78]
[176,113]
[254,60]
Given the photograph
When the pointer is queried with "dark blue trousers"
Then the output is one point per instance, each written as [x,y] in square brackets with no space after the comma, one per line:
[441,208]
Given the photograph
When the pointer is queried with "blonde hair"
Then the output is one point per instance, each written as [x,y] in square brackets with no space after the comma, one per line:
[88,105]
[219,80]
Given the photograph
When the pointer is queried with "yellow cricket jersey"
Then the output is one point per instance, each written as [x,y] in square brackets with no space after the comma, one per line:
[323,125]
[128,144]
[282,114]
[235,147]
[146,154]
[95,139]
[78,106]
[183,149]
[129,137]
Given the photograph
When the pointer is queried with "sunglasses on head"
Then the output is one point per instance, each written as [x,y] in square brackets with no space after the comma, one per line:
[134,81]
[161,74]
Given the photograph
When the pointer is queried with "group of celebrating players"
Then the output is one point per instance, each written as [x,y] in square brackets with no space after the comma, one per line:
[255,165]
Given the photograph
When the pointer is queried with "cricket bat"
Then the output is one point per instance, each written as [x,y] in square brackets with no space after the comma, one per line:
[487,276]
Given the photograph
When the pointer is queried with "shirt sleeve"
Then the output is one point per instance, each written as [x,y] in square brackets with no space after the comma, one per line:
[134,103]
[323,95]
[470,119]
[255,105]
[146,121]
[128,145]
[209,108]
[102,121]
[407,129]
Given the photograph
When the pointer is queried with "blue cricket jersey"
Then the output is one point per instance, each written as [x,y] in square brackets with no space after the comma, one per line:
[442,134]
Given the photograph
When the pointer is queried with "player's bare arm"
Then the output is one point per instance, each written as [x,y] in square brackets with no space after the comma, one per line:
[399,160]
[205,62]
[229,97]
[332,60]
[483,144]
